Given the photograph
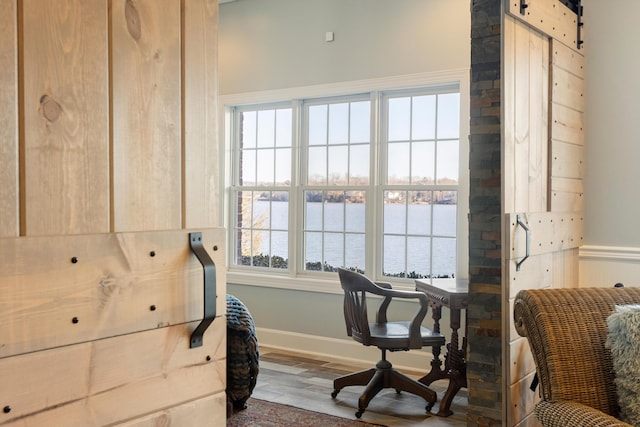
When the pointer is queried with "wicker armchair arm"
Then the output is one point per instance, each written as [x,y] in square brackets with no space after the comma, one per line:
[574,414]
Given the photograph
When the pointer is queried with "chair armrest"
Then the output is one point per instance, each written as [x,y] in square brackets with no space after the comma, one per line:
[574,414]
[415,337]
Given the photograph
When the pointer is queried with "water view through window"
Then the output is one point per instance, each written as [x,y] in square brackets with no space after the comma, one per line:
[391,202]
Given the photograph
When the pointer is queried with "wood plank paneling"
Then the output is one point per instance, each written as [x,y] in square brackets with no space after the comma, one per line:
[549,232]
[526,117]
[567,125]
[113,380]
[114,287]
[146,105]
[202,152]
[550,17]
[209,411]
[9,206]
[567,89]
[66,151]
[567,160]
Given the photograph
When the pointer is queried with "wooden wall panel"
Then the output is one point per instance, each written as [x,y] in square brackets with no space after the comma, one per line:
[526,79]
[550,17]
[9,198]
[208,411]
[117,379]
[146,105]
[202,152]
[65,115]
[109,290]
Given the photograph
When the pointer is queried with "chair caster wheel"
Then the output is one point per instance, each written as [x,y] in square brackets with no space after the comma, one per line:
[334,393]
[429,406]
[398,391]
[359,413]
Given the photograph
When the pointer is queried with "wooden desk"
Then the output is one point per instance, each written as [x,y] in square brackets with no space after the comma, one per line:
[452,294]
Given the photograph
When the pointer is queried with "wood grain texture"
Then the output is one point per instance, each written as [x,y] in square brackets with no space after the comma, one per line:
[9,190]
[114,380]
[208,411]
[202,197]
[66,133]
[526,60]
[146,106]
[549,232]
[114,287]
[549,17]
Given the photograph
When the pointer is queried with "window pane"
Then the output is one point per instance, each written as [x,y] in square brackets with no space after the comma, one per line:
[333,251]
[423,117]
[423,163]
[338,123]
[283,166]
[244,209]
[317,169]
[279,249]
[283,127]
[261,212]
[280,210]
[355,250]
[355,212]
[359,165]
[248,169]
[444,213]
[393,263]
[360,122]
[444,265]
[317,125]
[338,165]
[248,126]
[313,250]
[313,210]
[399,119]
[265,167]
[447,162]
[419,213]
[334,212]
[418,256]
[395,212]
[266,128]
[398,161]
[449,115]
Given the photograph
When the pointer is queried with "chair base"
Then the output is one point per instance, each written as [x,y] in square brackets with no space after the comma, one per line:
[381,377]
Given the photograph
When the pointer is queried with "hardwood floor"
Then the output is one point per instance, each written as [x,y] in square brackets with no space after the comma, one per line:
[306,382]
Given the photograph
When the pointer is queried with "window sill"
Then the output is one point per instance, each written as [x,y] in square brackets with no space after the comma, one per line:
[307,283]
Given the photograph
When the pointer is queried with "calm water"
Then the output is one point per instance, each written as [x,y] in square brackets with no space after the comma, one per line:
[345,241]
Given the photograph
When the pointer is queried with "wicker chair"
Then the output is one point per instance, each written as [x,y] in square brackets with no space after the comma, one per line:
[566,330]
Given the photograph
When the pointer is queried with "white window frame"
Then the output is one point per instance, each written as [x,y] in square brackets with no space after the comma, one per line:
[323,282]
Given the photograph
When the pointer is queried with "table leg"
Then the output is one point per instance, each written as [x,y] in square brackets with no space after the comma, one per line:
[436,372]
[455,366]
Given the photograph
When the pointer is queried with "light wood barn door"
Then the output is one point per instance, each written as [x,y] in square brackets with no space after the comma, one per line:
[108,163]
[542,173]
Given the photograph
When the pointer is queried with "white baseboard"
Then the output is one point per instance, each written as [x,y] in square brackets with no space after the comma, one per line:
[342,350]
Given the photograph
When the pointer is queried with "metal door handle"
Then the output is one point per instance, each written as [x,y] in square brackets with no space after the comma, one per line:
[209,267]
[528,241]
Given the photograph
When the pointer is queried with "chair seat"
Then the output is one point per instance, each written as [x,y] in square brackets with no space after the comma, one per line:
[383,332]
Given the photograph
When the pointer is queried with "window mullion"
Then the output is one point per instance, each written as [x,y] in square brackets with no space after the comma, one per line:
[373,230]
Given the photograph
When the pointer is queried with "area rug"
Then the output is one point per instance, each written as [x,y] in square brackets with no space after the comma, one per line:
[260,413]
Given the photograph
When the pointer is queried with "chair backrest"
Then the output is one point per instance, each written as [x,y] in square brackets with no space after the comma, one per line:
[355,287]
[567,330]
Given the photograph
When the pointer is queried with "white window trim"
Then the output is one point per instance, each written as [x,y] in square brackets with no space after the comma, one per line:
[321,282]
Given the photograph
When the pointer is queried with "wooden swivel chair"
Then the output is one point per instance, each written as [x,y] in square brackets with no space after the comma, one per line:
[385,335]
